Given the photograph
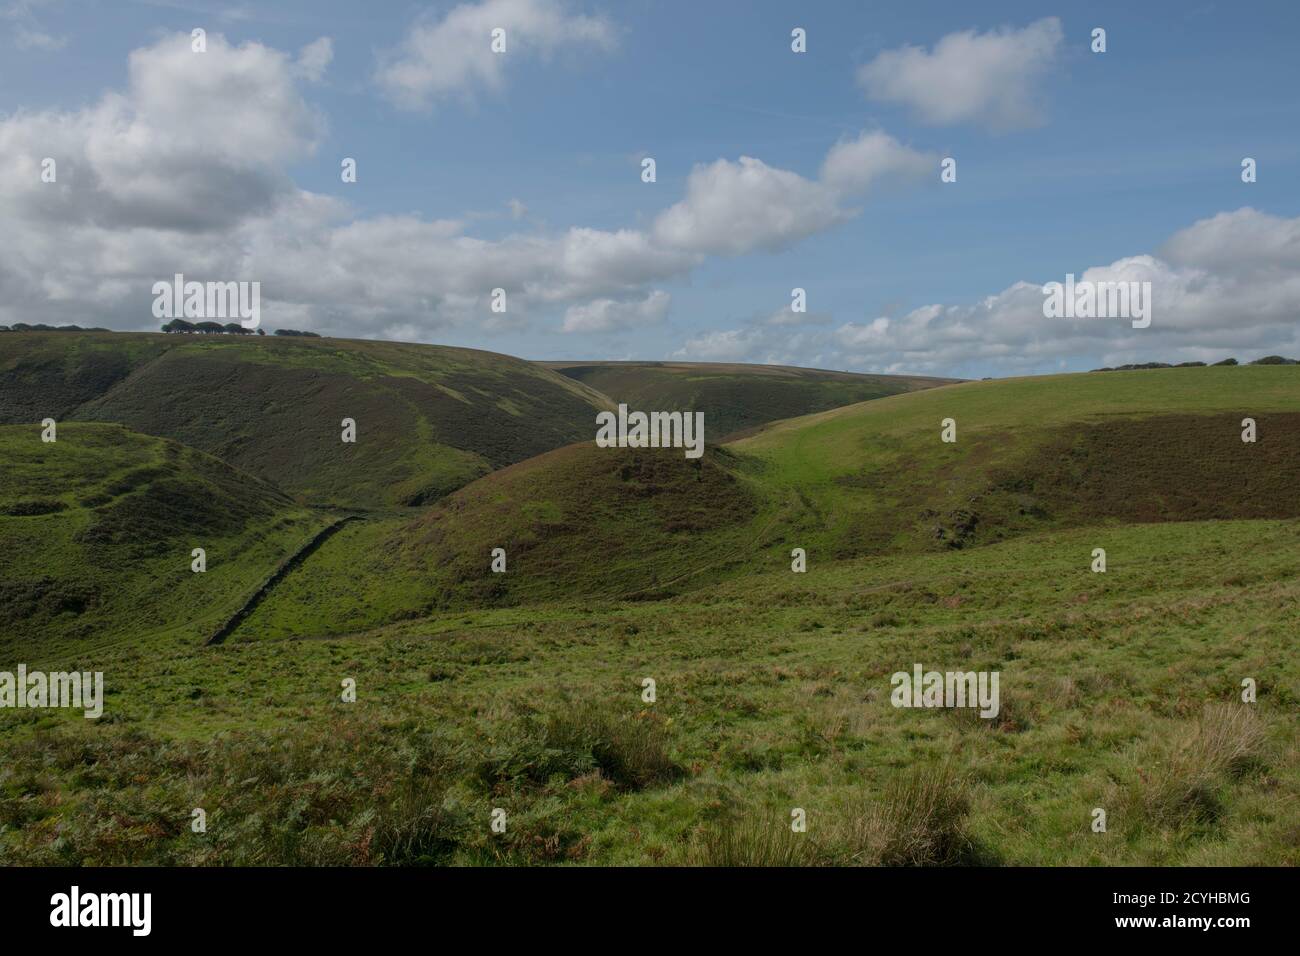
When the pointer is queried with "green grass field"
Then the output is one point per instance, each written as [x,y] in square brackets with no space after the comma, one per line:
[772,693]
[522,692]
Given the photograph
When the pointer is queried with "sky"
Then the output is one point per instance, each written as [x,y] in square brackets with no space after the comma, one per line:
[775,170]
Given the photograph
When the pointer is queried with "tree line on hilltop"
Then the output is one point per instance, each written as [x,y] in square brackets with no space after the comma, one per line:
[174,326]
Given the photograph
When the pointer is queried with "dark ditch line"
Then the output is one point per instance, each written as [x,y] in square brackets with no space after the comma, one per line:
[289,564]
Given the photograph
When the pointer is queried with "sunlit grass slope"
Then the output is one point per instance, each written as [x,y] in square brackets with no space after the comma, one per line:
[97,530]
[1033,452]
[873,478]
[1118,690]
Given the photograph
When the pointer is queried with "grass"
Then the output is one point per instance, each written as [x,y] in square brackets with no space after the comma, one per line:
[1186,778]
[429,418]
[104,554]
[918,820]
[522,692]
[772,694]
[871,479]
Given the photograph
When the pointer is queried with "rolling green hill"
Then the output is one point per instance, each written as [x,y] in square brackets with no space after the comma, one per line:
[429,419]
[97,531]
[523,690]
[1048,451]
[1032,455]
[735,397]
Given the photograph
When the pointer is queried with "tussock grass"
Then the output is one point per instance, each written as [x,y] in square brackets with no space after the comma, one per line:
[629,749]
[1185,783]
[752,842]
[919,819]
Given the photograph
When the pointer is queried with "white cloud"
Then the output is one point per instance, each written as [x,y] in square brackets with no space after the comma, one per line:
[1210,301]
[28,34]
[138,159]
[314,58]
[726,345]
[852,166]
[988,78]
[734,208]
[144,192]
[28,39]
[609,315]
[453,55]
[788,317]
[1245,241]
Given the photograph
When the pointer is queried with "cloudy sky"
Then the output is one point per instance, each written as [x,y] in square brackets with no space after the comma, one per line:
[522,170]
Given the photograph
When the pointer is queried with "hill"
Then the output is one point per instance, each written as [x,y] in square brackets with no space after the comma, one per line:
[1031,455]
[428,418]
[97,531]
[1046,451]
[524,690]
[735,397]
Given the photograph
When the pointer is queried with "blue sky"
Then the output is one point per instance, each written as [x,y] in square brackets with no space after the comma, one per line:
[1067,160]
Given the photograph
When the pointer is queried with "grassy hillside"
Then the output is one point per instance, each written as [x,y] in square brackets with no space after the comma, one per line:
[429,419]
[523,691]
[735,397]
[1049,451]
[51,374]
[577,521]
[97,530]
[1119,690]
[1031,455]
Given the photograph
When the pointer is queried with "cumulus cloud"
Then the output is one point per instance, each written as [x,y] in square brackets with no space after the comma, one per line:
[1226,285]
[788,317]
[138,159]
[765,346]
[734,208]
[185,170]
[987,78]
[453,55]
[144,191]
[609,315]
[853,166]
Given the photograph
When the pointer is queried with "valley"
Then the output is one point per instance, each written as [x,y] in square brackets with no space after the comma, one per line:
[521,691]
